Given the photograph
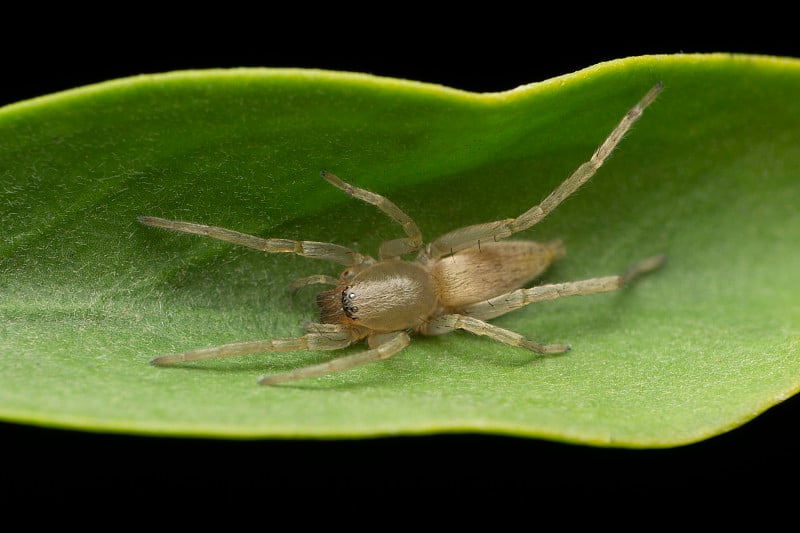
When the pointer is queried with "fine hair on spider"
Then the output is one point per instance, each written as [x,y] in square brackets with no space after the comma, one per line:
[458,281]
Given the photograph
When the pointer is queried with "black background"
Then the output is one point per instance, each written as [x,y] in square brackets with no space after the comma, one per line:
[498,49]
[493,50]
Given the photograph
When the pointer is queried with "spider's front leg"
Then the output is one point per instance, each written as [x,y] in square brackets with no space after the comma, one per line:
[318,279]
[393,248]
[312,249]
[386,347]
[319,337]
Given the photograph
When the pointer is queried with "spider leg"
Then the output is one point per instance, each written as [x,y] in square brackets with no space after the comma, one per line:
[392,345]
[316,250]
[471,235]
[319,279]
[388,249]
[472,317]
[505,303]
[319,337]
[447,323]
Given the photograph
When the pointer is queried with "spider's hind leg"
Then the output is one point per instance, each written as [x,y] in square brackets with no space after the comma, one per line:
[468,236]
[505,303]
[447,323]
[473,317]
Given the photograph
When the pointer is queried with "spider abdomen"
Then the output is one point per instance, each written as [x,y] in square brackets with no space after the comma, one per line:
[494,268]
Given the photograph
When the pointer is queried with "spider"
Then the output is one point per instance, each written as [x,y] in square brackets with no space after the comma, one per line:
[458,281]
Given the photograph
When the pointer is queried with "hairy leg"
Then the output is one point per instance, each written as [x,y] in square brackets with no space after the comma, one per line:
[447,323]
[471,235]
[390,347]
[319,337]
[319,279]
[388,249]
[315,250]
[505,303]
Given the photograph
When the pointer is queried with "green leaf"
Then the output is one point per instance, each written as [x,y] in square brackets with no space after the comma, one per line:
[710,176]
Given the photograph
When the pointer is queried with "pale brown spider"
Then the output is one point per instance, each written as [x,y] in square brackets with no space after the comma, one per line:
[386,300]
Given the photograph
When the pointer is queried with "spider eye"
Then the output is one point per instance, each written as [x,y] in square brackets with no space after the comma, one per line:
[347,306]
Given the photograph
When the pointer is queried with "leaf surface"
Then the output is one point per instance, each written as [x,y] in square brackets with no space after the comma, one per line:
[710,176]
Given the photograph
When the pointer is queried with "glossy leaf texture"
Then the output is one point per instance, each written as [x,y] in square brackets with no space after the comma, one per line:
[710,176]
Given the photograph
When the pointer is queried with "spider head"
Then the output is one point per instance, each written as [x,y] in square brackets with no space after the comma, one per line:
[388,296]
[336,306]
